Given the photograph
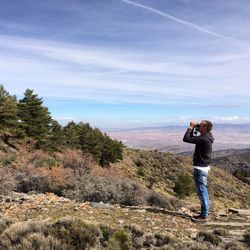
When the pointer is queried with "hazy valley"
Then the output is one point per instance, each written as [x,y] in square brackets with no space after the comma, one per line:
[169,138]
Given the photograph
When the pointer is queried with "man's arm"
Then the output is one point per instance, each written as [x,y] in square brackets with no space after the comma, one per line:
[188,135]
[189,138]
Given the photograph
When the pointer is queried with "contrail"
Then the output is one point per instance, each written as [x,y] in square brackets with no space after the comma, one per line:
[178,20]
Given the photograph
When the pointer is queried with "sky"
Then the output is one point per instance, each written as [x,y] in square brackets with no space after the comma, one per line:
[122,63]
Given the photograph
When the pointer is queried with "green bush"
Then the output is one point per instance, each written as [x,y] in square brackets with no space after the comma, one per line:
[5,223]
[209,237]
[184,185]
[221,231]
[64,234]
[163,239]
[108,190]
[119,240]
[234,246]
[7,180]
[155,199]
[75,232]
[38,183]
[46,162]
[247,238]
[7,160]
[106,232]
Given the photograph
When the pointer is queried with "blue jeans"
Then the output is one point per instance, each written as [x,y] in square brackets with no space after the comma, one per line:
[200,179]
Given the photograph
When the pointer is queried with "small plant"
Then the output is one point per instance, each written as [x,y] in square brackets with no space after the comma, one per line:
[108,189]
[106,234]
[7,181]
[234,246]
[119,240]
[247,238]
[63,234]
[221,232]
[163,239]
[7,160]
[151,181]
[76,160]
[75,232]
[209,237]
[155,199]
[5,223]
[184,185]
[37,183]
[46,162]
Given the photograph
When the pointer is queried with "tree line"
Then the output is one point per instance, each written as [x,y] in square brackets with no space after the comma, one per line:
[28,118]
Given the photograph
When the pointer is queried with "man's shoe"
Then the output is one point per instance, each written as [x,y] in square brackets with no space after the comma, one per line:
[199,218]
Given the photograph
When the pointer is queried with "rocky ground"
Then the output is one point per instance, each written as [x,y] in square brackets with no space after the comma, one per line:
[230,225]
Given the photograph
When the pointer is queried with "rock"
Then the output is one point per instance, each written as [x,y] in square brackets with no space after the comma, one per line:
[141,210]
[100,205]
[239,211]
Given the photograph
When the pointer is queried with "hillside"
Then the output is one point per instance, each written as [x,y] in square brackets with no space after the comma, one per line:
[161,170]
[234,161]
[142,207]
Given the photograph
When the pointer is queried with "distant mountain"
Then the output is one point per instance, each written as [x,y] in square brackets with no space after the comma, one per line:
[169,138]
[220,153]
[233,160]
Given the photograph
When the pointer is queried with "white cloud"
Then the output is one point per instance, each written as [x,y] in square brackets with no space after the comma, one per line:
[119,75]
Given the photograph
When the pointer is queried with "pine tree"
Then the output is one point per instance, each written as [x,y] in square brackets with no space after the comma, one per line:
[9,126]
[71,135]
[111,151]
[34,116]
[56,140]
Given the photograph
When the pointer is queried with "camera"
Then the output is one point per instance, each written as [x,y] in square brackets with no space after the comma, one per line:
[196,130]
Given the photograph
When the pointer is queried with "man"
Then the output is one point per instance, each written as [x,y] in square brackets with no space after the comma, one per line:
[201,161]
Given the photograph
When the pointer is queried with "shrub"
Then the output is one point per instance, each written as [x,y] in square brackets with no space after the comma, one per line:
[221,231]
[163,239]
[64,234]
[75,232]
[155,199]
[39,241]
[197,246]
[234,246]
[7,181]
[106,234]
[36,183]
[7,160]
[17,231]
[247,238]
[108,189]
[184,185]
[209,237]
[74,159]
[119,240]
[151,181]
[5,223]
[136,231]
[46,162]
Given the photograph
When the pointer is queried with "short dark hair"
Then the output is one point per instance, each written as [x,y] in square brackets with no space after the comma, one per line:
[209,125]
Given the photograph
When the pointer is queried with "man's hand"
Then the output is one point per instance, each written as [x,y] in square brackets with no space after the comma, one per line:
[192,124]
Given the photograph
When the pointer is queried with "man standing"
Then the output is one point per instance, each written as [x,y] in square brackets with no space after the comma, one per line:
[201,160]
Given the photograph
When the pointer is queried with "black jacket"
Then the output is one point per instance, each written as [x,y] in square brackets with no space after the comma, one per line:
[203,147]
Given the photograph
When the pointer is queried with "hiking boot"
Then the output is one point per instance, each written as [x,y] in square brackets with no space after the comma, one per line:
[199,218]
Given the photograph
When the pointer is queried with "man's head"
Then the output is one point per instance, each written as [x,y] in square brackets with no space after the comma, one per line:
[205,126]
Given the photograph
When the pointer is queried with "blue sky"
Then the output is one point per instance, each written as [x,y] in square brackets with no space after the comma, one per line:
[121,63]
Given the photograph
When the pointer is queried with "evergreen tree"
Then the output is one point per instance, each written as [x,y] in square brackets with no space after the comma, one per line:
[91,140]
[9,126]
[56,139]
[111,150]
[34,116]
[71,135]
